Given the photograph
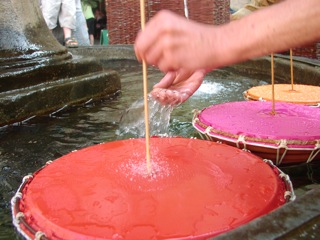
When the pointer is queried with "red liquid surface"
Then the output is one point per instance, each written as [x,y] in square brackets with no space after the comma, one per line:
[196,189]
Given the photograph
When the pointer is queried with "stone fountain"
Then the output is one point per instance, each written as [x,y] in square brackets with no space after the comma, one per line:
[37,74]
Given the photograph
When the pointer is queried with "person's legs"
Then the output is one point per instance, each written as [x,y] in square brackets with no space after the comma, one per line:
[67,20]
[50,11]
[69,41]
[66,32]
[81,32]
[90,24]
[91,37]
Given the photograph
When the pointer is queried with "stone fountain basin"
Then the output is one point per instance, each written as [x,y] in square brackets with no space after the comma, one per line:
[285,222]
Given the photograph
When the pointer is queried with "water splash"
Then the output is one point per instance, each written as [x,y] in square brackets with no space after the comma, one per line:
[135,169]
[209,87]
[132,122]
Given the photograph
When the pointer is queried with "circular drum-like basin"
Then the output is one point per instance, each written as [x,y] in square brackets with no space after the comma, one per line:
[298,93]
[290,134]
[196,189]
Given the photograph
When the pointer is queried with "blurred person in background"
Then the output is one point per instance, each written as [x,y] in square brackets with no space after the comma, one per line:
[81,32]
[88,14]
[63,11]
[100,22]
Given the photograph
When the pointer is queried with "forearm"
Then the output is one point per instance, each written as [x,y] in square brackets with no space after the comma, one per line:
[288,24]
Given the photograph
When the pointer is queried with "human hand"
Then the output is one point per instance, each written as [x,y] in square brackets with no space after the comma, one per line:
[173,43]
[177,47]
[176,87]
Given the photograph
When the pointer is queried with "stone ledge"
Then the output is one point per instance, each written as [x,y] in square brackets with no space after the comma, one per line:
[284,222]
[20,104]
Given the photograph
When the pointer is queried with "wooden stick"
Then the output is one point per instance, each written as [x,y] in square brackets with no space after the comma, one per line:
[291,65]
[145,92]
[272,82]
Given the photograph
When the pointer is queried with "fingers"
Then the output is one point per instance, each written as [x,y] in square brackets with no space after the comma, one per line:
[182,75]
[137,46]
[166,81]
[172,78]
[191,84]
[146,42]
[175,89]
[167,97]
[150,51]
[163,42]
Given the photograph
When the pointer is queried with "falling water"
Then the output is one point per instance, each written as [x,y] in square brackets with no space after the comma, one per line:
[132,120]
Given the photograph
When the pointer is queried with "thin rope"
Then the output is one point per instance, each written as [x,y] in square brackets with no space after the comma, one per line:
[272,82]
[291,67]
[145,92]
[214,132]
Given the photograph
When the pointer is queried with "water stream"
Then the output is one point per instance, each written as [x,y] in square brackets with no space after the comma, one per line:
[27,146]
